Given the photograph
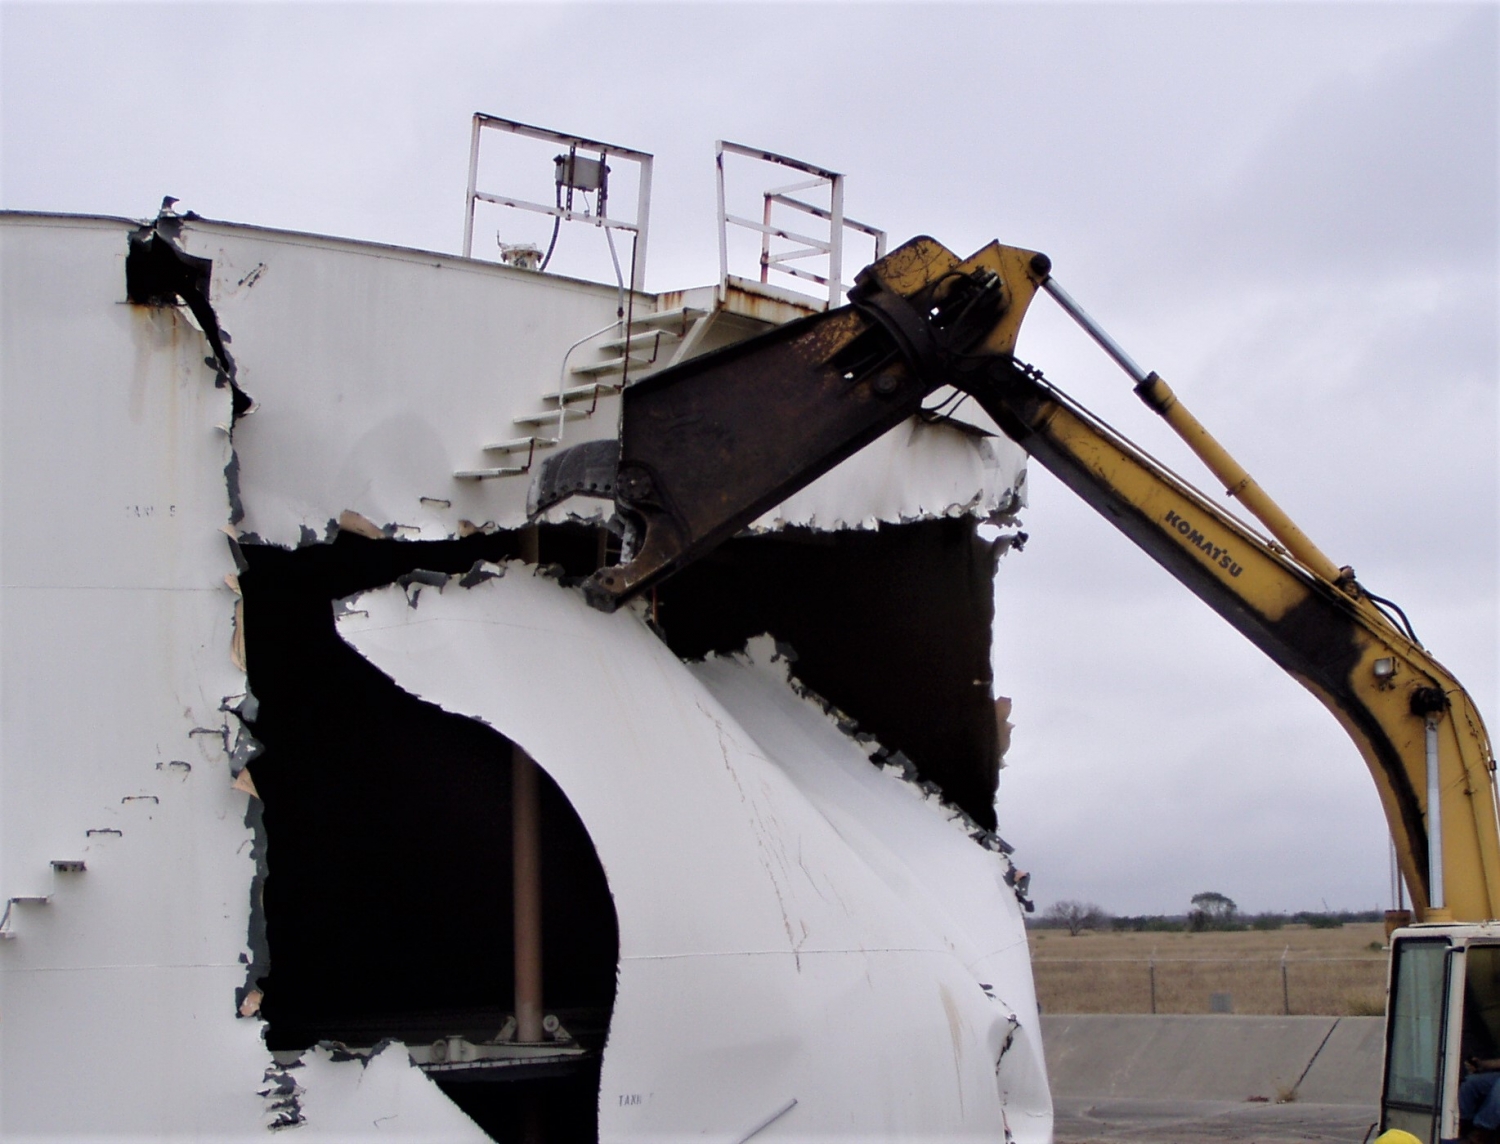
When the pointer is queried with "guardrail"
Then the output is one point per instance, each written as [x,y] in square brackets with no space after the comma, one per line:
[803,246]
[1331,986]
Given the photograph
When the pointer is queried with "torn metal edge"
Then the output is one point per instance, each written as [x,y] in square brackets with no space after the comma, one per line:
[892,763]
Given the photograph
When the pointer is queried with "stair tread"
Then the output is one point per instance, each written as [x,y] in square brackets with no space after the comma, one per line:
[551,416]
[486,474]
[584,392]
[665,317]
[644,338]
[610,365]
[519,444]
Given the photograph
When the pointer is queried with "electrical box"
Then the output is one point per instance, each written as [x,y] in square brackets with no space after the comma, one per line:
[581,174]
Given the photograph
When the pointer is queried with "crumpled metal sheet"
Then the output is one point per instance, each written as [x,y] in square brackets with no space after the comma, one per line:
[115,746]
[378,372]
[795,923]
[779,963]
[328,1096]
[118,743]
[929,858]
[919,470]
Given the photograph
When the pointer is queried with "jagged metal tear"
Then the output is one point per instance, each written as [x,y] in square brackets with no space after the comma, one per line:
[818,917]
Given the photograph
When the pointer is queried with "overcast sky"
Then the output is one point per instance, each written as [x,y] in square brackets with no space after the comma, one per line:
[1290,211]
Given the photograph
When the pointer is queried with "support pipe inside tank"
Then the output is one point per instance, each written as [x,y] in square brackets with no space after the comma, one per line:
[527,868]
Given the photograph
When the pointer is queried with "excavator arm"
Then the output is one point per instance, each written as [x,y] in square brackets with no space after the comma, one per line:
[1382,687]
[710,445]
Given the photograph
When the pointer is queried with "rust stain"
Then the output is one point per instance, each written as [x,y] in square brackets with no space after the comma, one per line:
[237,641]
[250,1007]
[350,521]
[955,1034]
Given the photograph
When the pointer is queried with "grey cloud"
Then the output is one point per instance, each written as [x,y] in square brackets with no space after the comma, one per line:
[1287,209]
[1395,172]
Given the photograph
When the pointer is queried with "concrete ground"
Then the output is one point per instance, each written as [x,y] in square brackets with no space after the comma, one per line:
[1181,1079]
[1081,1121]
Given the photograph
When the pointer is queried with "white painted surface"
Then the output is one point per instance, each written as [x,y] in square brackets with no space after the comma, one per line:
[378,372]
[918,470]
[118,995]
[794,922]
[384,1098]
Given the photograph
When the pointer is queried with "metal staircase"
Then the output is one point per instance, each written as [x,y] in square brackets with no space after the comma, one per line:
[654,341]
[696,320]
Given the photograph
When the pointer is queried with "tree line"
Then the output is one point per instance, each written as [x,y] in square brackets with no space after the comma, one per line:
[1209,911]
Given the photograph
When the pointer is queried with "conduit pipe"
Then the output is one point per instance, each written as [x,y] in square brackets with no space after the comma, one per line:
[1435,900]
[526,866]
[526,857]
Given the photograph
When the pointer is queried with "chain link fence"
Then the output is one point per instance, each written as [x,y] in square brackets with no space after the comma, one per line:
[1324,986]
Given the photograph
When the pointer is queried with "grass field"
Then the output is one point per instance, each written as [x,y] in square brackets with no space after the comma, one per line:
[1337,972]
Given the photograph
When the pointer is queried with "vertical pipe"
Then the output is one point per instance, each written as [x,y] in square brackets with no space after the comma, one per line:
[1286,994]
[765,242]
[1395,876]
[642,229]
[1435,898]
[1151,968]
[723,220]
[836,241]
[473,186]
[527,870]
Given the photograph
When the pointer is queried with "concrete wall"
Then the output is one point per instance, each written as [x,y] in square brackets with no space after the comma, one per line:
[1326,1060]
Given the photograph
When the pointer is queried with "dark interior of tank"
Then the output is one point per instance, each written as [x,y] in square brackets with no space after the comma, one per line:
[384,823]
[387,894]
[890,625]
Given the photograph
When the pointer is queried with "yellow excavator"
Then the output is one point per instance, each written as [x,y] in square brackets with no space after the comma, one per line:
[708,446]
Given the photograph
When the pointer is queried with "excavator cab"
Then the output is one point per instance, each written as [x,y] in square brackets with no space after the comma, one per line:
[1443,1013]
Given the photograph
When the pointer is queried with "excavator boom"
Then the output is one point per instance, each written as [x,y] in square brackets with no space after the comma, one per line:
[708,446]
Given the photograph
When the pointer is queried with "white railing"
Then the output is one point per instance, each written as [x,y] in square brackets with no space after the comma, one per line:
[805,246]
[573,170]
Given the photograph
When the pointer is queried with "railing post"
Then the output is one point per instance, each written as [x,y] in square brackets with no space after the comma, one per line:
[810,246]
[605,151]
[642,226]
[723,218]
[836,241]
[473,186]
[765,241]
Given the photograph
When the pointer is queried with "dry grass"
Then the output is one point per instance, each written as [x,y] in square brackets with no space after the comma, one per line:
[1328,971]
